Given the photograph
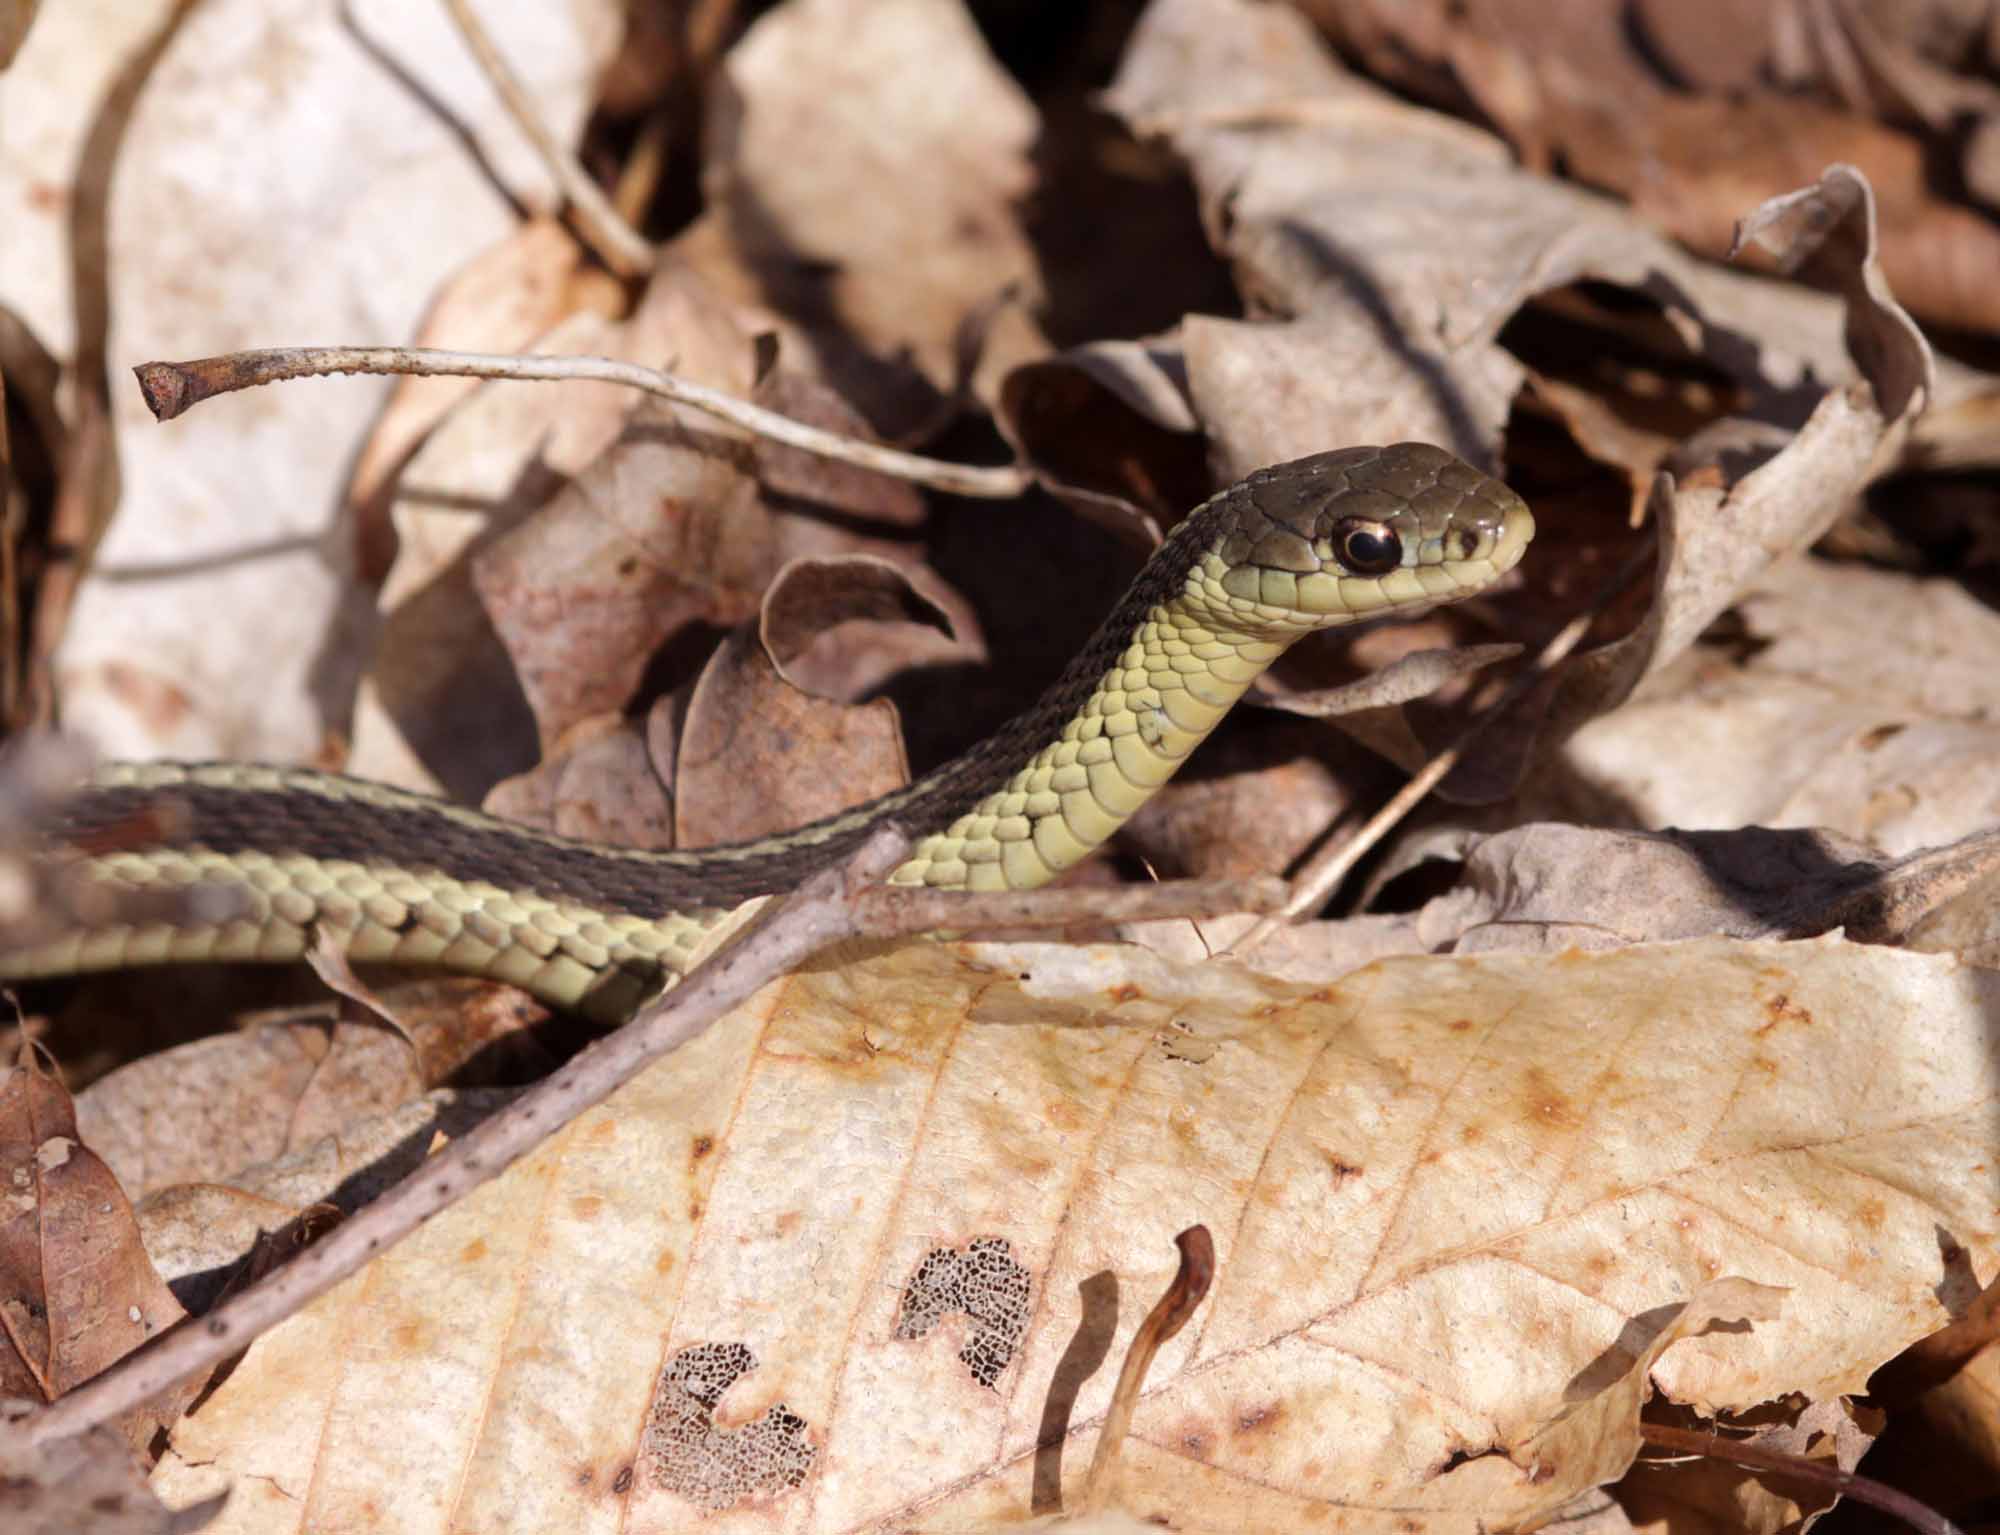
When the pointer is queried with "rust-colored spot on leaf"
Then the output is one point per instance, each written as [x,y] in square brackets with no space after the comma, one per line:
[1780,1010]
[1543,1103]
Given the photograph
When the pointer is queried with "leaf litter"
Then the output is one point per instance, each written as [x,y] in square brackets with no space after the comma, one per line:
[1622,1089]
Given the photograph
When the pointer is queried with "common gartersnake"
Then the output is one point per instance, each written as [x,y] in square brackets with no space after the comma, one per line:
[1355,534]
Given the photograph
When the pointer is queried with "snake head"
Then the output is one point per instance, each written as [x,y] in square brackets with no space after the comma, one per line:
[1355,534]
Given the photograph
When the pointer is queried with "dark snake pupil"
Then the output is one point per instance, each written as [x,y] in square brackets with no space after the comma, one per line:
[1371,550]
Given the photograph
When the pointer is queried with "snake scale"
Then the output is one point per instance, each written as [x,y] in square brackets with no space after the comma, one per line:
[1354,534]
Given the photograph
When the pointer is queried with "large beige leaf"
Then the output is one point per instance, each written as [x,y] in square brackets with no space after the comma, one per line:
[903,220]
[827,1267]
[334,195]
[1807,718]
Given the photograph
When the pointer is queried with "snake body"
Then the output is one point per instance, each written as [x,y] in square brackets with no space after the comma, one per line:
[1322,541]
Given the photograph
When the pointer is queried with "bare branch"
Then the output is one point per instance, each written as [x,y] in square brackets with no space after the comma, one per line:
[890,911]
[171,388]
[619,246]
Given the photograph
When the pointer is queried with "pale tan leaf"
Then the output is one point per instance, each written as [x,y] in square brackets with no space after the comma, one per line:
[266,188]
[1457,1203]
[1817,720]
[902,221]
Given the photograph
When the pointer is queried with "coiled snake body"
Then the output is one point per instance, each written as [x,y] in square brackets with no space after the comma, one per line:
[1354,534]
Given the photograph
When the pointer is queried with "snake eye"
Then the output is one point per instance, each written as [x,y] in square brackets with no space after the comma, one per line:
[1369,548]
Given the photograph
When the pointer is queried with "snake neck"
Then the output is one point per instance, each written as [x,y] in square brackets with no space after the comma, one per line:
[1112,732]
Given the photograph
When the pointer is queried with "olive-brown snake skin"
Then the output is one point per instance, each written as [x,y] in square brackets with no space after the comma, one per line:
[1354,534]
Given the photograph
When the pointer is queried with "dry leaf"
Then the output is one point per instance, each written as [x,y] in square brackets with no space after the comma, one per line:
[1448,1194]
[1358,253]
[198,1234]
[1579,83]
[444,706]
[503,300]
[604,781]
[660,533]
[1110,429]
[859,1258]
[16,16]
[201,631]
[751,722]
[1957,1439]
[1550,887]
[902,220]
[823,482]
[76,1289]
[203,1111]
[1259,798]
[1809,719]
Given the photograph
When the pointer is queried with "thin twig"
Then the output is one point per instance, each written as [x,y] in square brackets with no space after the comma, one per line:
[645,166]
[1323,873]
[171,388]
[1863,1489]
[619,246]
[891,911]
[821,913]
